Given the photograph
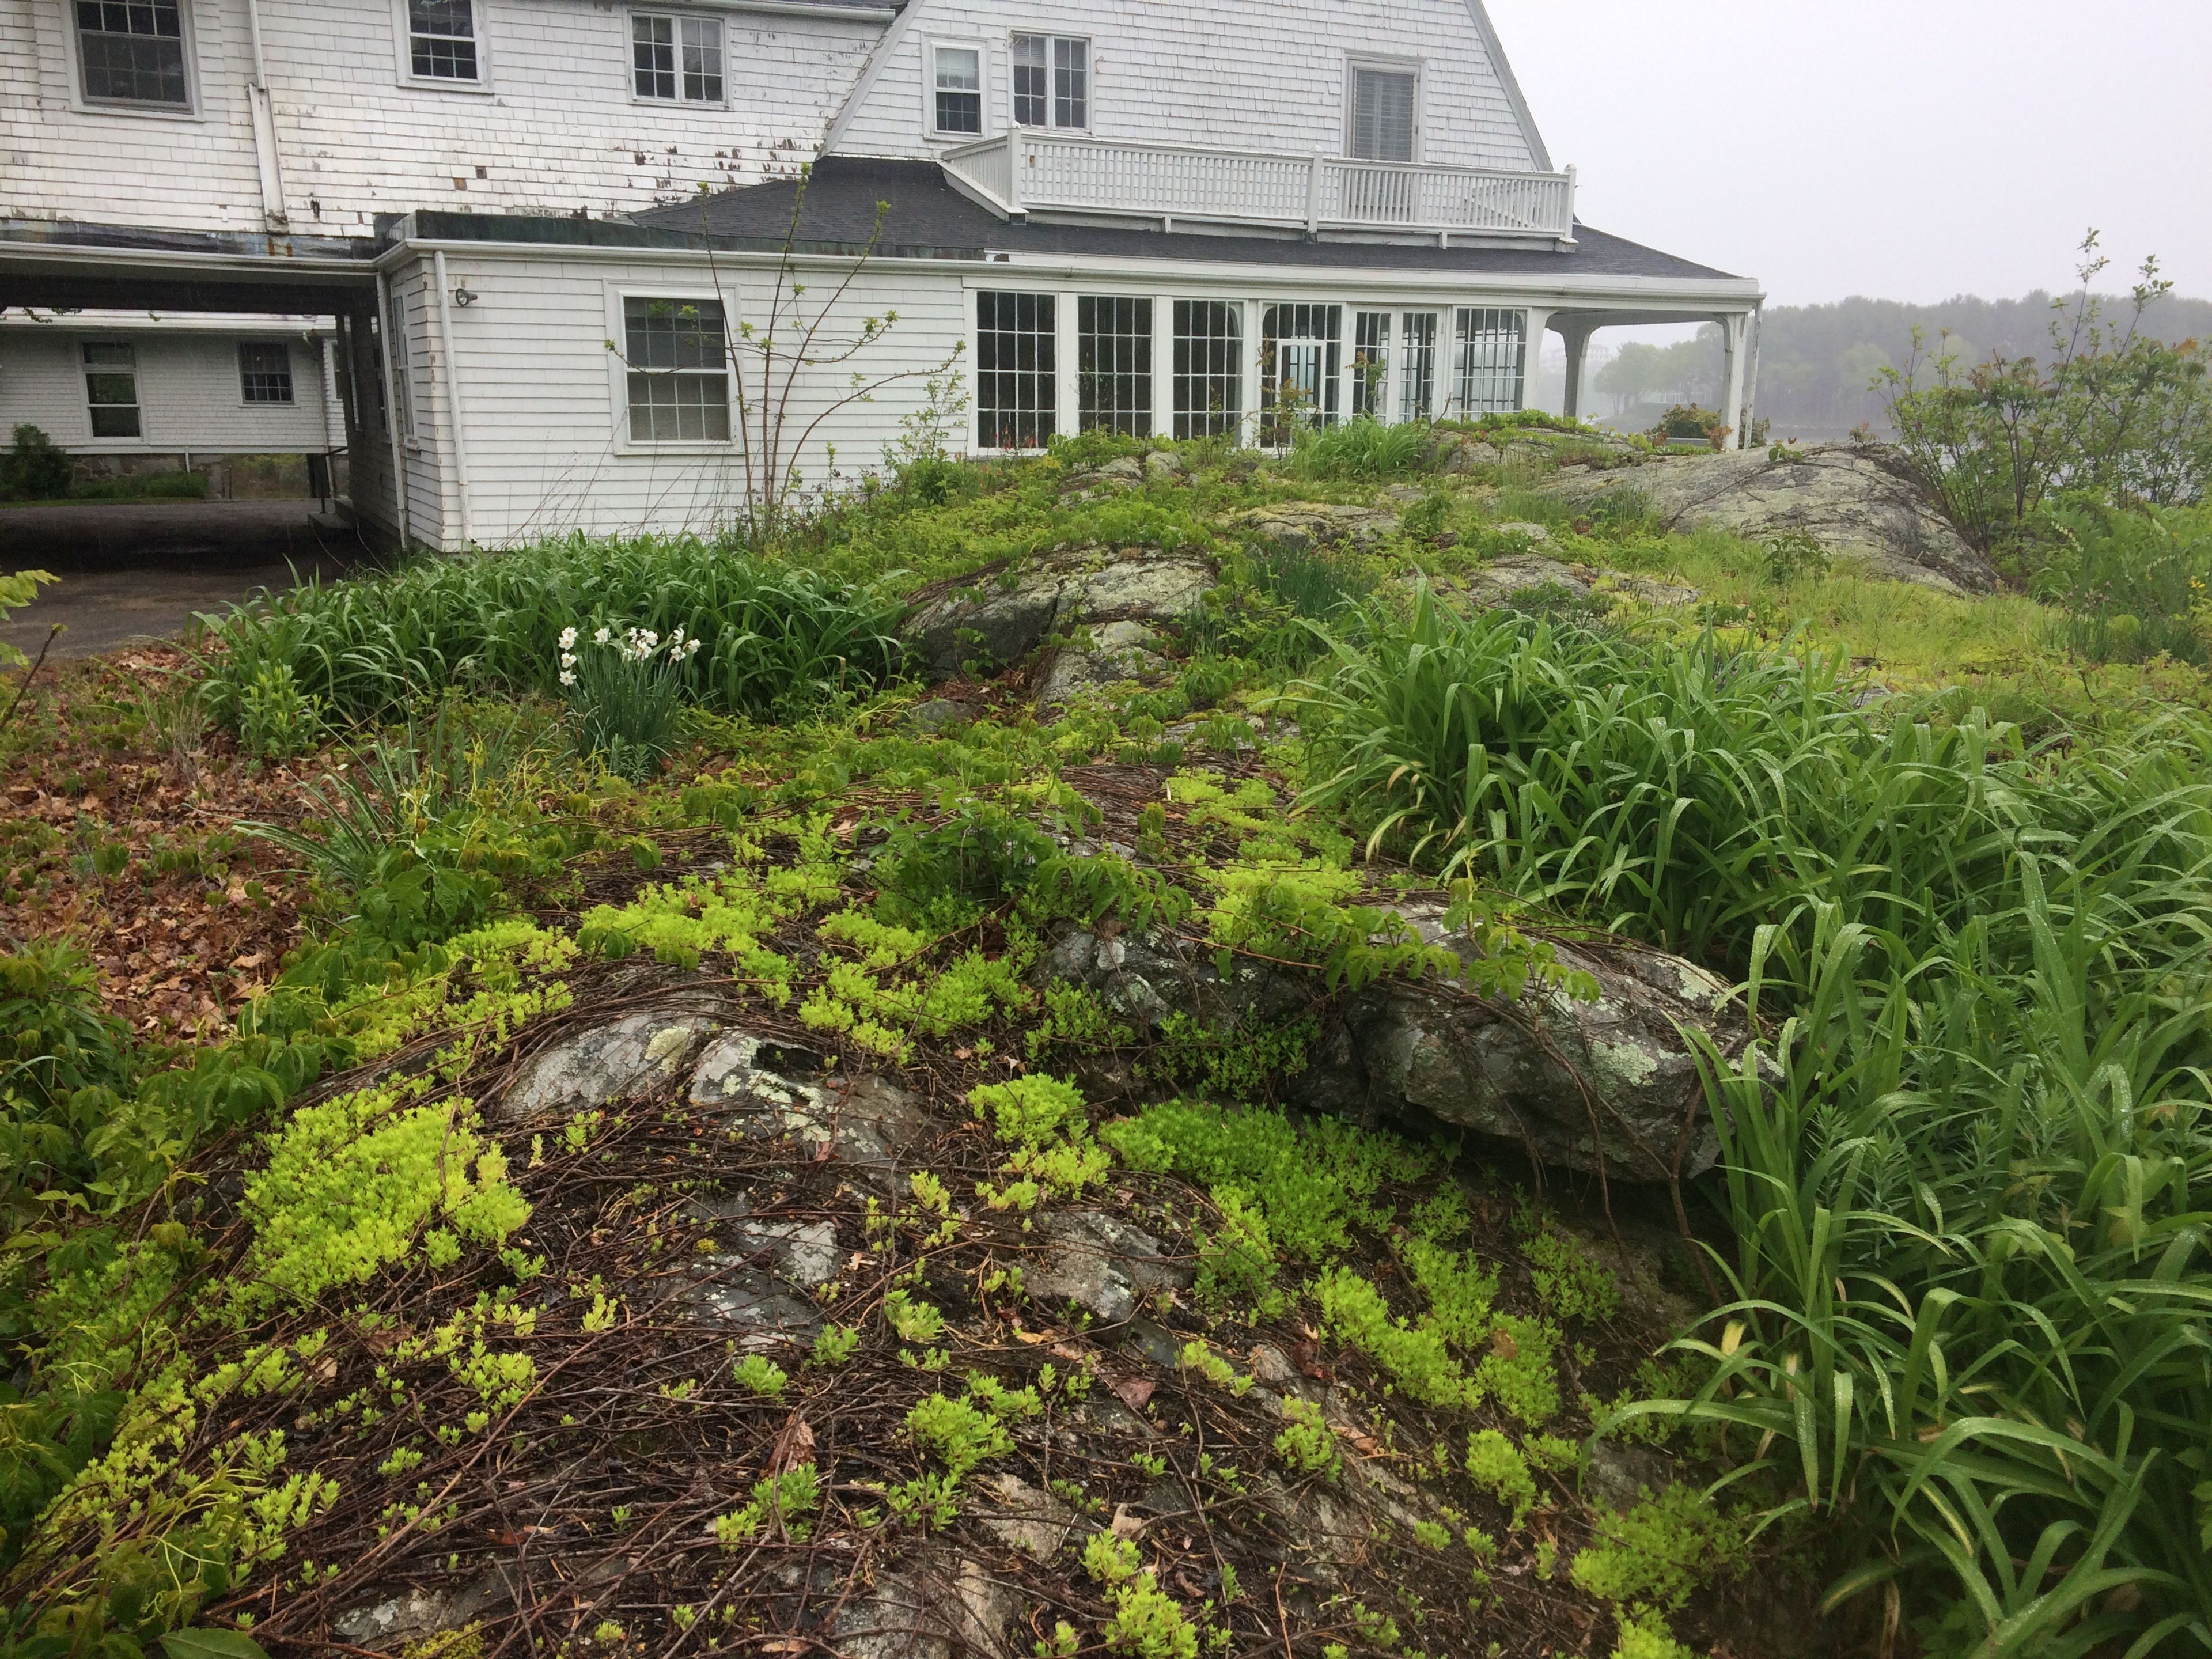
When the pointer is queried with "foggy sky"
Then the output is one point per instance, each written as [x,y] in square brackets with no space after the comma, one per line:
[1908,149]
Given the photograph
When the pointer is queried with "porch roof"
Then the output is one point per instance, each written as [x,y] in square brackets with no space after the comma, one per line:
[927,216]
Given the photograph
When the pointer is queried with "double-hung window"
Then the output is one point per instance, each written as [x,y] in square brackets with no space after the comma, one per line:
[111,388]
[956,89]
[264,372]
[441,40]
[1490,347]
[132,52]
[679,376]
[1016,370]
[1382,103]
[679,59]
[1052,81]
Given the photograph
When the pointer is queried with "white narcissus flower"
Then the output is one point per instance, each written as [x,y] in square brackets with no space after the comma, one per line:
[691,649]
[601,637]
[567,639]
[567,660]
[567,677]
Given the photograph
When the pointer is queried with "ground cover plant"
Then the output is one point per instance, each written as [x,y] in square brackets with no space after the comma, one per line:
[333,1327]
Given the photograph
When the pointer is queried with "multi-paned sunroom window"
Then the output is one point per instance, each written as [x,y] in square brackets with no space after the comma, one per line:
[1114,365]
[1016,370]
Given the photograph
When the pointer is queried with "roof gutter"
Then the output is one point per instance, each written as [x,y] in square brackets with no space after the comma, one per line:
[800,8]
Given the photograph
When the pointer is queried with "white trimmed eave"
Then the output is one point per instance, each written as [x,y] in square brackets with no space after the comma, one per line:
[1695,296]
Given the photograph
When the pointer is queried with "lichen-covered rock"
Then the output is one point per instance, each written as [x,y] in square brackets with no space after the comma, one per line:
[1302,525]
[1103,1265]
[1118,596]
[1504,580]
[609,1062]
[1609,1083]
[1858,501]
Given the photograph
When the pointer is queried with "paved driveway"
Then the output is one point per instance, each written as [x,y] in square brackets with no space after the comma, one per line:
[139,569]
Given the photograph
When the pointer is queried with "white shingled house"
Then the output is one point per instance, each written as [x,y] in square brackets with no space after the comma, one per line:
[543,226]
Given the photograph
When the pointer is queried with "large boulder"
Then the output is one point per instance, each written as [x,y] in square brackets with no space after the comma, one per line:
[1102,607]
[1608,1083]
[1858,501]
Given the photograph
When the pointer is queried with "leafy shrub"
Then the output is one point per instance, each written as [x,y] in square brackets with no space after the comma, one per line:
[1362,447]
[772,638]
[1689,421]
[274,718]
[1792,554]
[2131,586]
[981,853]
[34,468]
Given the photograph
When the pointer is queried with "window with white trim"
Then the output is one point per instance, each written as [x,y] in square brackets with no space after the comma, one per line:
[1114,365]
[1382,109]
[1489,352]
[678,59]
[132,52]
[111,388]
[1209,367]
[1301,347]
[441,40]
[679,375]
[1016,370]
[955,88]
[1052,81]
[1370,364]
[1417,366]
[265,371]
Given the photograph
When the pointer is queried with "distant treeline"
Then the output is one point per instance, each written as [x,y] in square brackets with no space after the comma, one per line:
[1818,364]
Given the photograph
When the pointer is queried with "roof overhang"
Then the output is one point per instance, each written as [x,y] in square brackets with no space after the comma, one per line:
[84,274]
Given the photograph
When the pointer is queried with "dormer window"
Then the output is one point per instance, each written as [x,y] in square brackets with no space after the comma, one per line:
[1383,105]
[441,40]
[1052,81]
[956,76]
[678,59]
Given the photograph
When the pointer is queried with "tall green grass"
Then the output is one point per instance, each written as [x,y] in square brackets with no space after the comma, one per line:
[775,637]
[1970,1171]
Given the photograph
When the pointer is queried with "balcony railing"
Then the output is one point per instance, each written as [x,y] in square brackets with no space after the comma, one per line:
[1028,172]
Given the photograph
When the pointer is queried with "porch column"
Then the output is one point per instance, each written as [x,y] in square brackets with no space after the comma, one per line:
[1734,328]
[1576,332]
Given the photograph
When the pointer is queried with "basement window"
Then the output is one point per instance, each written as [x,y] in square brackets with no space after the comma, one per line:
[679,380]
[111,388]
[1052,81]
[132,52]
[679,59]
[441,40]
[1209,367]
[1114,365]
[1490,350]
[264,372]
[957,81]
[1016,370]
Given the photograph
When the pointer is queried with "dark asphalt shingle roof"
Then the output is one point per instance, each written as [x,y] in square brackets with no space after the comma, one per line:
[924,216]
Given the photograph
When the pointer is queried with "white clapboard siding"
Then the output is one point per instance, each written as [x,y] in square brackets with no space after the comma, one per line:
[548,450]
[1246,74]
[190,397]
[558,131]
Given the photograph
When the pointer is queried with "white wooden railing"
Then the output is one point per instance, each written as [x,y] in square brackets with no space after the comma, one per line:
[1028,171]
